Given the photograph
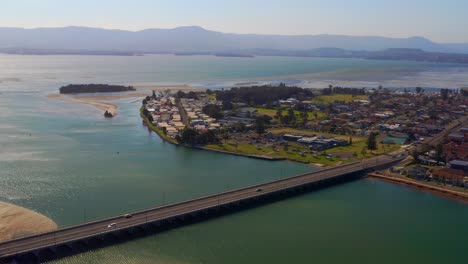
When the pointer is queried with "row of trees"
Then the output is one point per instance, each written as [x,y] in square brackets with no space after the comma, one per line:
[259,95]
[343,90]
[189,95]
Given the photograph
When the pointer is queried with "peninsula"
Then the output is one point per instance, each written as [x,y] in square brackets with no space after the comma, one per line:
[323,127]
[94,88]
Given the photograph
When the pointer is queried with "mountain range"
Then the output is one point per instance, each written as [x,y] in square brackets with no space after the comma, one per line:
[196,40]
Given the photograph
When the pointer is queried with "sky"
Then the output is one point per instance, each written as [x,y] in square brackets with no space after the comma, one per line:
[438,20]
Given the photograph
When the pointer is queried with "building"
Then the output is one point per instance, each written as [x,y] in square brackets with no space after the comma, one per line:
[459,165]
[418,173]
[449,176]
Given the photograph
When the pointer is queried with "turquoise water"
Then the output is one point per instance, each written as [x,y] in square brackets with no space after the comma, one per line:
[67,162]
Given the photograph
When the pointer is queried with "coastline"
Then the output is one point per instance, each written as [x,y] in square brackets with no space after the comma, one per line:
[17,222]
[460,196]
[161,134]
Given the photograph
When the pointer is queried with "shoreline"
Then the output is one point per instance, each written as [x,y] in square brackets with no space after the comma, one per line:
[17,222]
[460,196]
[164,138]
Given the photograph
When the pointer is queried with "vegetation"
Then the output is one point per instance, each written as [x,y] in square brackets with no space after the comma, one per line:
[213,111]
[261,122]
[259,95]
[108,114]
[343,90]
[94,88]
[372,141]
[343,98]
[189,95]
[192,137]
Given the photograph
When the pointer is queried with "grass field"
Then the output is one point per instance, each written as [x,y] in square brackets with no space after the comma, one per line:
[347,98]
[291,154]
[272,112]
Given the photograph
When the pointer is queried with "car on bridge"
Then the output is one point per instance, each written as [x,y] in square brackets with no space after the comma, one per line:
[127,215]
[112,225]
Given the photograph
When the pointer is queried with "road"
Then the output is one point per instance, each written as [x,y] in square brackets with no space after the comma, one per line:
[92,229]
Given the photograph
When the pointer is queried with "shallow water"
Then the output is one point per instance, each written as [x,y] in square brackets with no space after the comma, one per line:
[67,162]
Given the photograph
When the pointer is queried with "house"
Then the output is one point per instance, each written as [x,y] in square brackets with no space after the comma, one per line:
[454,151]
[418,173]
[450,176]
[457,137]
[289,137]
[459,165]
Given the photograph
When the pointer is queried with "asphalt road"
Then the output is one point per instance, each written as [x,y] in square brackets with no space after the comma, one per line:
[65,235]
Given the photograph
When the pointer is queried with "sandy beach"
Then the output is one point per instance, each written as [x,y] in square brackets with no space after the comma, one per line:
[17,222]
[96,101]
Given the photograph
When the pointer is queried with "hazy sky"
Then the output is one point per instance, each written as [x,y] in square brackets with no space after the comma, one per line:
[439,20]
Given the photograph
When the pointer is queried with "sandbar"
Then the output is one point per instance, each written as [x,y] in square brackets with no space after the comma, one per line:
[17,222]
[96,101]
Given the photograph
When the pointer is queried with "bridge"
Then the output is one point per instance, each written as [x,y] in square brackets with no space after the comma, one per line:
[90,235]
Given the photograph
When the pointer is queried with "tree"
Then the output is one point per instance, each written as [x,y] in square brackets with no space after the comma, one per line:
[279,114]
[259,126]
[188,136]
[350,141]
[305,118]
[292,116]
[212,110]
[227,105]
[239,126]
[439,152]
[444,93]
[372,141]
[418,90]
[154,94]
[261,123]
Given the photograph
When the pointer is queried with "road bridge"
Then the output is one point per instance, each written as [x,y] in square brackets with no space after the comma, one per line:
[79,238]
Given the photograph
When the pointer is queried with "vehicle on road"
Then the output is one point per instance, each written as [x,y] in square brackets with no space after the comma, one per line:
[259,190]
[127,215]
[112,225]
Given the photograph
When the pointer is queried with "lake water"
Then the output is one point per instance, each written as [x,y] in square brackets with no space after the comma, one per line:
[69,163]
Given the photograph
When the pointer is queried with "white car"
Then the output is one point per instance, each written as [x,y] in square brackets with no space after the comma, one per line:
[112,225]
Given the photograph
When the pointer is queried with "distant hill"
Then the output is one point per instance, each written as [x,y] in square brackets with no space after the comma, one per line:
[196,40]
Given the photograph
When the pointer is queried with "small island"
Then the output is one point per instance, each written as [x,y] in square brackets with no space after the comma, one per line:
[94,88]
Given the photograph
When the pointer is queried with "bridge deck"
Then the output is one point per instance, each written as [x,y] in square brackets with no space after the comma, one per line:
[93,229]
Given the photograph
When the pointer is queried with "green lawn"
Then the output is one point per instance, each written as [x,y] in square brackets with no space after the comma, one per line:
[347,98]
[292,153]
[272,112]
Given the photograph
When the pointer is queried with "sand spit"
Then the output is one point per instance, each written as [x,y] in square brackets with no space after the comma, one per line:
[96,101]
[17,222]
